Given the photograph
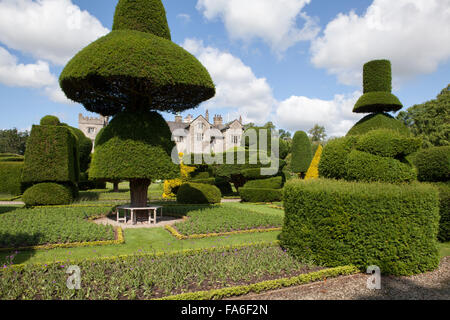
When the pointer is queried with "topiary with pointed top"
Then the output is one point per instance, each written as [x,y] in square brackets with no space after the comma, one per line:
[133,71]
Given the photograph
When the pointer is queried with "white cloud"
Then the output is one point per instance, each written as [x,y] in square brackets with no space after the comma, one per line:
[184,17]
[52,30]
[237,87]
[274,21]
[413,34]
[36,76]
[302,113]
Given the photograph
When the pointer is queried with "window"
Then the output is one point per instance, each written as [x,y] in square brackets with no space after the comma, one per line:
[200,136]
[91,130]
[200,126]
[235,139]
[179,139]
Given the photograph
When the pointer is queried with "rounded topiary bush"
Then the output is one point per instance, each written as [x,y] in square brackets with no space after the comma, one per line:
[301,153]
[198,193]
[388,143]
[333,161]
[50,121]
[378,121]
[433,164]
[337,223]
[47,194]
[363,166]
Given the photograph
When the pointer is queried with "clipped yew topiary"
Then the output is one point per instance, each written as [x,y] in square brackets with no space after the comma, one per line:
[84,147]
[270,183]
[128,74]
[197,193]
[10,177]
[301,153]
[258,195]
[47,194]
[49,121]
[433,165]
[333,162]
[376,121]
[336,223]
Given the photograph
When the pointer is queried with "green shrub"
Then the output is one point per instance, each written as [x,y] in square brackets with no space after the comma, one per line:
[200,175]
[224,186]
[377,102]
[211,181]
[336,223]
[433,164]
[444,211]
[363,166]
[388,143]
[51,155]
[197,193]
[12,158]
[378,121]
[47,194]
[10,177]
[86,184]
[271,183]
[84,147]
[333,162]
[301,153]
[260,194]
[49,121]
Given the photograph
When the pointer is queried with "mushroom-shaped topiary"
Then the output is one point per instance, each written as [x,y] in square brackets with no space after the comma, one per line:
[377,89]
[136,66]
[133,70]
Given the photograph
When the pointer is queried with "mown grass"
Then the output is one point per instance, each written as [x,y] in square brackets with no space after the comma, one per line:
[21,227]
[146,277]
[155,192]
[227,219]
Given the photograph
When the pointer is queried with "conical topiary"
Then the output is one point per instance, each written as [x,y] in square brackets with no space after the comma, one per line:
[377,89]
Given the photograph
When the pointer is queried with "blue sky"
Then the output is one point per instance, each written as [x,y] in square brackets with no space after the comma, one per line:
[292,62]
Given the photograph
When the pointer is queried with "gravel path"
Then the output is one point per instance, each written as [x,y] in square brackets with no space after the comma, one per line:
[429,286]
[11,203]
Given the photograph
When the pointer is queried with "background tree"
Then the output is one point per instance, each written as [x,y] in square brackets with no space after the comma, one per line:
[430,120]
[13,141]
[284,134]
[129,74]
[318,134]
[301,153]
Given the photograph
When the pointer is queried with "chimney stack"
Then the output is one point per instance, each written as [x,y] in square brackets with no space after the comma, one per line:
[178,118]
[189,118]
[207,115]
[218,120]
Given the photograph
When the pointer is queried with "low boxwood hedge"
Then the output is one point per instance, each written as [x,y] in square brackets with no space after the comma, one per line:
[336,223]
[363,166]
[270,183]
[433,164]
[444,211]
[10,177]
[260,194]
[198,193]
[47,194]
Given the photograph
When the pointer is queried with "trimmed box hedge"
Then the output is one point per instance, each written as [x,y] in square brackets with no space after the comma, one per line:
[198,193]
[333,161]
[47,194]
[10,177]
[337,223]
[260,194]
[433,164]
[51,155]
[270,183]
[444,211]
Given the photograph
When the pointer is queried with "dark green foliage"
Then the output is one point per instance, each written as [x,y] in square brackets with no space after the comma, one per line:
[334,157]
[284,148]
[271,183]
[84,147]
[301,153]
[430,120]
[10,177]
[134,146]
[260,195]
[211,181]
[197,193]
[388,143]
[47,194]
[377,102]
[378,121]
[131,70]
[433,164]
[200,175]
[51,155]
[251,174]
[336,223]
[444,211]
[377,89]
[86,184]
[13,141]
[224,186]
[142,15]
[363,166]
[50,121]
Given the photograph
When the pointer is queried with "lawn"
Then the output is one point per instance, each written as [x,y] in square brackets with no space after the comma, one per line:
[147,277]
[21,227]
[155,192]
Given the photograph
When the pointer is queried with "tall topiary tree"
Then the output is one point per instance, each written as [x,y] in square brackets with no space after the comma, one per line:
[301,153]
[130,73]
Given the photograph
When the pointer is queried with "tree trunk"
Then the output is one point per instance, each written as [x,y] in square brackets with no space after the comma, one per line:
[116,187]
[139,190]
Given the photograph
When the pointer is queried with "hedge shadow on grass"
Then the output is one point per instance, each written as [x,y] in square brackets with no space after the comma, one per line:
[7,209]
[17,256]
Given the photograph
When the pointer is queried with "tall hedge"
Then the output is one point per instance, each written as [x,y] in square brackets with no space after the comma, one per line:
[444,211]
[51,156]
[10,177]
[301,153]
[85,146]
[337,223]
[433,164]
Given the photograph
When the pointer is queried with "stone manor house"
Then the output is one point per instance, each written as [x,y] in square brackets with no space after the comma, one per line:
[191,135]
